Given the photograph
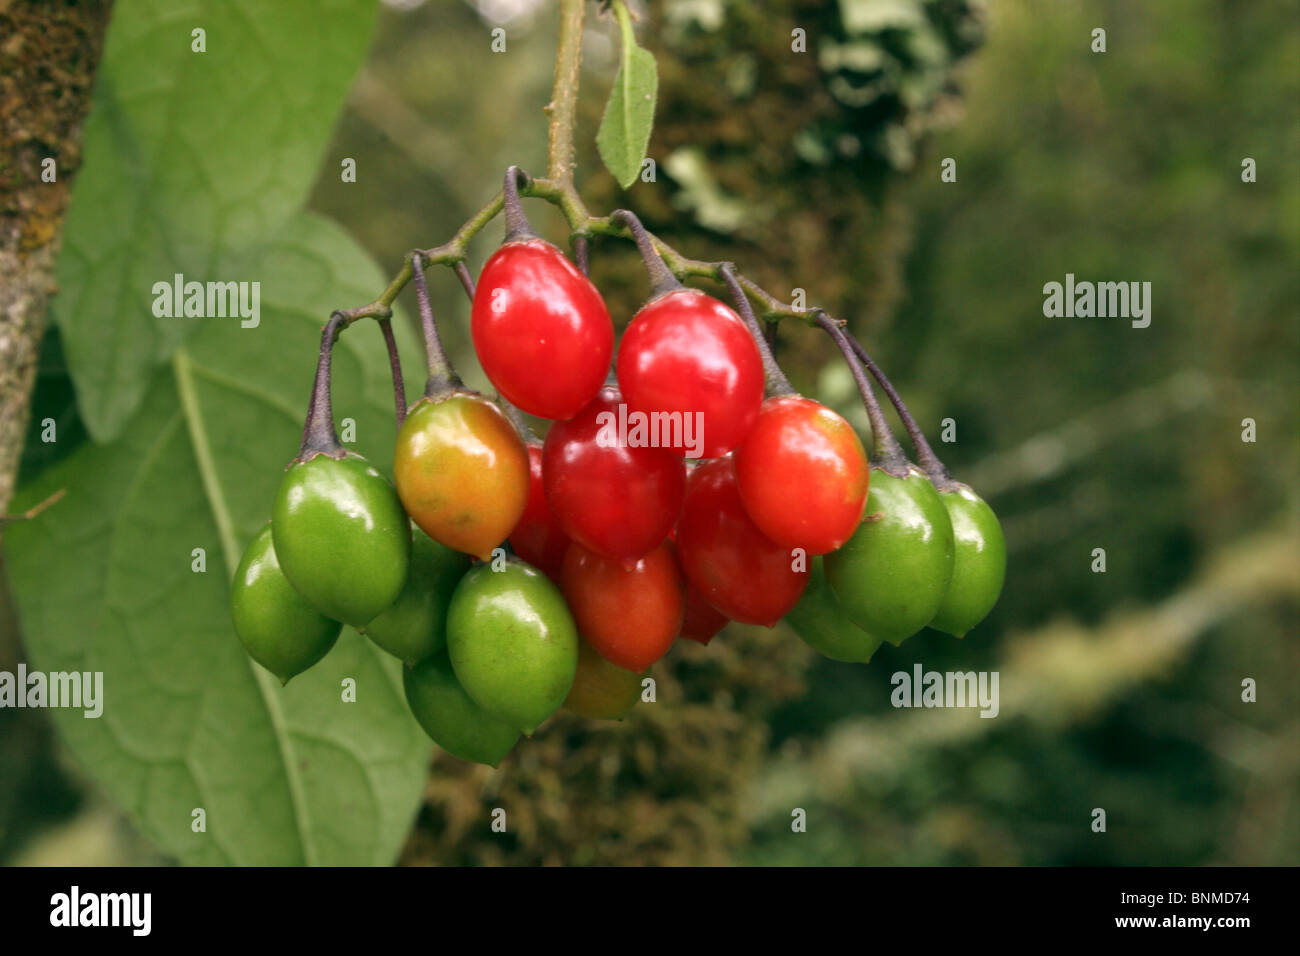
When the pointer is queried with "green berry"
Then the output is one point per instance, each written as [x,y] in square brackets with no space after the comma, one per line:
[823,625]
[512,642]
[448,715]
[414,626]
[343,539]
[979,563]
[892,575]
[277,627]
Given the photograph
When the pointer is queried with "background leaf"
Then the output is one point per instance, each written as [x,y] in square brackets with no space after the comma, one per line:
[629,116]
[192,158]
[104,583]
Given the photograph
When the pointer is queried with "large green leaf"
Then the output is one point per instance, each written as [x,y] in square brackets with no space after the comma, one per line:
[104,582]
[190,159]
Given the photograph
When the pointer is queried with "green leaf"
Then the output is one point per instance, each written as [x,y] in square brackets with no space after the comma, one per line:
[629,116]
[104,582]
[189,160]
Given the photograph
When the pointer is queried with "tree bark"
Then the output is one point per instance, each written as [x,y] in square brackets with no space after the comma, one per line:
[48,56]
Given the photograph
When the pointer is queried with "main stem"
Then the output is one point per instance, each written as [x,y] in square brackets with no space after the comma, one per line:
[563,108]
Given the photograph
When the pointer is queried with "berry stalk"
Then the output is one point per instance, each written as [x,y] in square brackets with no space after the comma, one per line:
[580,254]
[318,434]
[518,228]
[777,383]
[886,453]
[442,377]
[662,280]
[466,280]
[925,456]
[516,418]
[395,365]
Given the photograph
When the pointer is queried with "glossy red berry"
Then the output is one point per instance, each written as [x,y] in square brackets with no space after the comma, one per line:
[617,499]
[701,621]
[541,329]
[629,615]
[688,355]
[538,537]
[802,473]
[734,566]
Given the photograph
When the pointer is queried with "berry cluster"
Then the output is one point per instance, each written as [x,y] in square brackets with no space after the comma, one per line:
[686,487]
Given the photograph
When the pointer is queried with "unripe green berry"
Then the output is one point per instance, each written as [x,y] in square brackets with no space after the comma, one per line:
[448,715]
[979,562]
[820,621]
[892,575]
[276,625]
[343,540]
[414,627]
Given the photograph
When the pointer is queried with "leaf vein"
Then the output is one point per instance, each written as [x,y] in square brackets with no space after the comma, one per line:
[221,515]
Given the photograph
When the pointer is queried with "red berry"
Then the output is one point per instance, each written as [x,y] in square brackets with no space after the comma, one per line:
[686,353]
[541,329]
[734,566]
[538,537]
[616,500]
[701,621]
[629,615]
[802,474]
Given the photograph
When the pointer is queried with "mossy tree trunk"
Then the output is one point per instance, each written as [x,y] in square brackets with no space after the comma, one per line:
[48,56]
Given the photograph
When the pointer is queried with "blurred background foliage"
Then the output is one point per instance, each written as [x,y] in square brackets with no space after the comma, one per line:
[821,171]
